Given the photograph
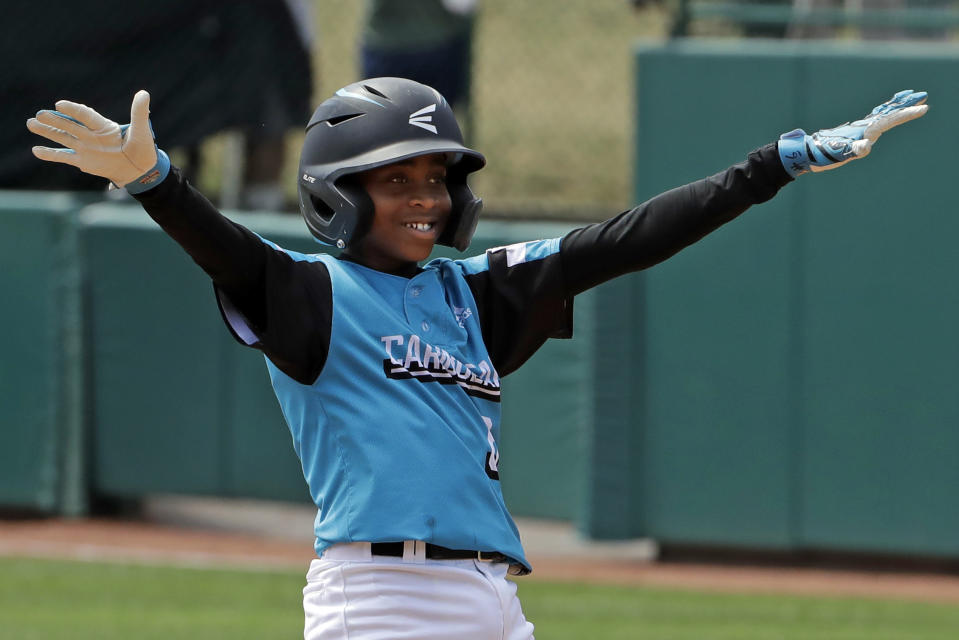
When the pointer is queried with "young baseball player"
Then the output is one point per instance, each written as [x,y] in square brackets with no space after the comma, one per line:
[388,370]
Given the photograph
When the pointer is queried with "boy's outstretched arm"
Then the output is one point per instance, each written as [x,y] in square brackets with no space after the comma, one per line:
[238,261]
[662,226]
[129,158]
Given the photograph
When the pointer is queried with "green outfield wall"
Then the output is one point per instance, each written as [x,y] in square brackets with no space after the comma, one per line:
[42,462]
[801,363]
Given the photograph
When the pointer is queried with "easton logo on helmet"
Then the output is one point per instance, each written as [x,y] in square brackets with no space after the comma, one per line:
[422,120]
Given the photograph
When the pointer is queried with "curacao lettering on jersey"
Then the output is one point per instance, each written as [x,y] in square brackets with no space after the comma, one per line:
[419,360]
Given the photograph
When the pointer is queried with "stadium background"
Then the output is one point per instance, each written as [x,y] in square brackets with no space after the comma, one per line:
[785,387]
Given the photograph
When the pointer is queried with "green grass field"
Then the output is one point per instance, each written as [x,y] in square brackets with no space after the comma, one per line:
[42,599]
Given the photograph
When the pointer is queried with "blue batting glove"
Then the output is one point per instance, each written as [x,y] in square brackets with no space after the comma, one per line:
[831,148]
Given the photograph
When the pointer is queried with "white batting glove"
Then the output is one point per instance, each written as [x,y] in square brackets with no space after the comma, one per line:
[125,155]
[831,148]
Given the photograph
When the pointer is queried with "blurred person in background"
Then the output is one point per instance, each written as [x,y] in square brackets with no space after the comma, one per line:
[429,41]
[220,66]
[284,100]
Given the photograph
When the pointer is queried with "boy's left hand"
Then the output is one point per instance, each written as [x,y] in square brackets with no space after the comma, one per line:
[831,148]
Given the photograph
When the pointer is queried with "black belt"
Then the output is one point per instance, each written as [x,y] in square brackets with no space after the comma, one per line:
[436,552]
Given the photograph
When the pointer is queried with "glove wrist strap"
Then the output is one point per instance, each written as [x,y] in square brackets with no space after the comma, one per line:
[794,153]
[151,178]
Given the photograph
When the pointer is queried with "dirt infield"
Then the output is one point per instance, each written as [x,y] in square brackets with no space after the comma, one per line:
[142,542]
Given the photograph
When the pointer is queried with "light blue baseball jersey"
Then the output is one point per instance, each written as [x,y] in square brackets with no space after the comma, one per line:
[398,435]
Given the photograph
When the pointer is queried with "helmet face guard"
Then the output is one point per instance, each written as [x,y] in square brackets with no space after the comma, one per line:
[370,124]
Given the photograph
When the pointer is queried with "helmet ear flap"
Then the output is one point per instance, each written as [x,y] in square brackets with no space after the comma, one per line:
[349,185]
[321,219]
[344,224]
[465,211]
[459,231]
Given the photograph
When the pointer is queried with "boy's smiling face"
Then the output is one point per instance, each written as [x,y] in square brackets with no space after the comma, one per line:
[411,207]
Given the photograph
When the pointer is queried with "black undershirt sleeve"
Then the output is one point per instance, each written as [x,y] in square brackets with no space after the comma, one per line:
[660,227]
[522,305]
[287,303]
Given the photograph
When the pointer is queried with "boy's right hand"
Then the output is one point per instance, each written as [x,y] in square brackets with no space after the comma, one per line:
[125,155]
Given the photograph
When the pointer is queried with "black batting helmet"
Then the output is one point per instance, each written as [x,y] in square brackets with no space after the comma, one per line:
[369,124]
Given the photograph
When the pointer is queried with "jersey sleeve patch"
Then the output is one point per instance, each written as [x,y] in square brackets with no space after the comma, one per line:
[516,254]
[523,252]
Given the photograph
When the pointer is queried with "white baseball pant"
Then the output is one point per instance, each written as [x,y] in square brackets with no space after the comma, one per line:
[352,594]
